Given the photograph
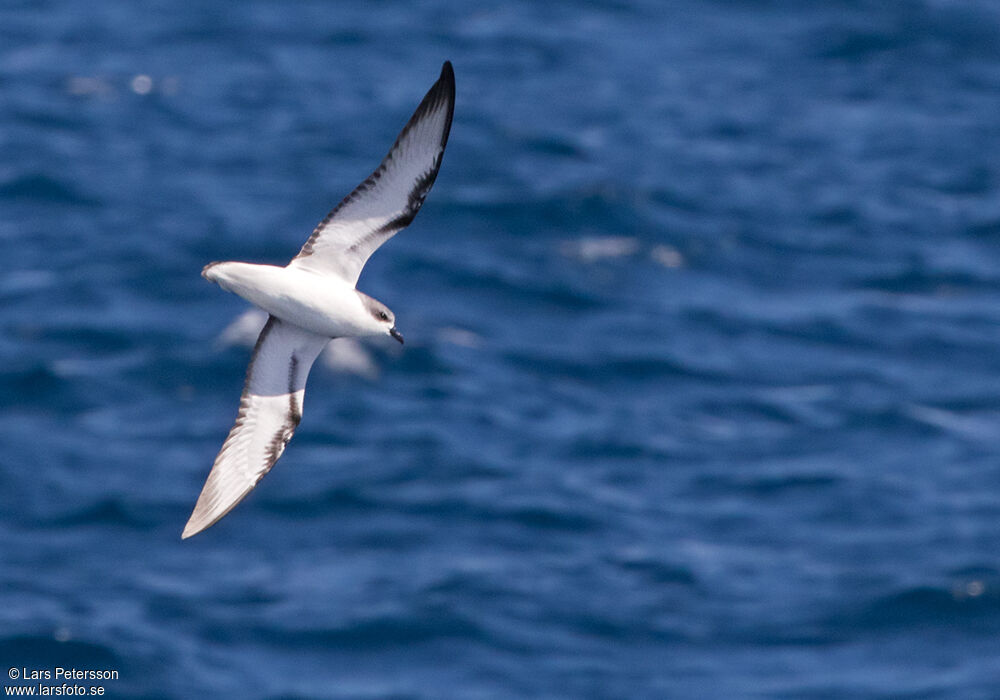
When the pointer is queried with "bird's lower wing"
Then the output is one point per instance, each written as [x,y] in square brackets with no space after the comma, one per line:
[270,409]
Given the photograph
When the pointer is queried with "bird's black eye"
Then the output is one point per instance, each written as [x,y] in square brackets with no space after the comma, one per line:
[382,315]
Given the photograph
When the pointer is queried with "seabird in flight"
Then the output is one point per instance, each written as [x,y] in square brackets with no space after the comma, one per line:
[313,299]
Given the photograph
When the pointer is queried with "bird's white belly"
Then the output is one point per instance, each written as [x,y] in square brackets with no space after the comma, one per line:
[319,303]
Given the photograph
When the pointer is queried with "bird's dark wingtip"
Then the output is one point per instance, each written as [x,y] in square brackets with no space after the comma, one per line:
[447,79]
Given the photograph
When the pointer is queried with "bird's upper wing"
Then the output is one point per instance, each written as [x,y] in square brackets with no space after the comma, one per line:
[270,409]
[391,196]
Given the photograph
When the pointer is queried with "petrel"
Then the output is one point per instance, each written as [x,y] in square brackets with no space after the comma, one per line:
[313,299]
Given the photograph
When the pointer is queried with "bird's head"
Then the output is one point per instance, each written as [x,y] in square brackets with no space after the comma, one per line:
[383,320]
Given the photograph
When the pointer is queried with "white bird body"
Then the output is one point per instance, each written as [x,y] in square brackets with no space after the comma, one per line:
[326,305]
[313,299]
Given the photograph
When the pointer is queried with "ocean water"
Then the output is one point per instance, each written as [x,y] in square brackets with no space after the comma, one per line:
[701,390]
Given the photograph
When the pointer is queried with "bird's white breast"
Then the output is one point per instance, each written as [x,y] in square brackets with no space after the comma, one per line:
[322,304]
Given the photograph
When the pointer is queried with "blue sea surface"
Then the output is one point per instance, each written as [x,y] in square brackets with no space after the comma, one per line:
[701,390]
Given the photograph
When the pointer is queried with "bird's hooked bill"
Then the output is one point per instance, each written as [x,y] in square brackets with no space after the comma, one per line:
[396,334]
